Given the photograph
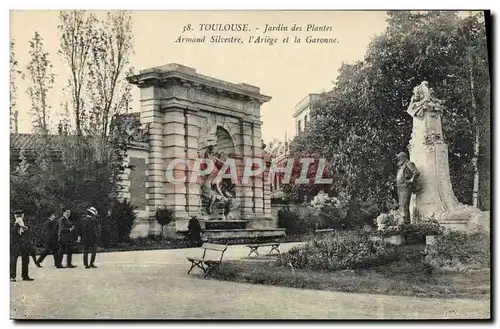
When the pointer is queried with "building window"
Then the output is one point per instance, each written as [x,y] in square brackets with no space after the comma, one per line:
[299,127]
[305,121]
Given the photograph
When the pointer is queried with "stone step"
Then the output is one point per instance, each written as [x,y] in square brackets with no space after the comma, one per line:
[247,234]
[225,224]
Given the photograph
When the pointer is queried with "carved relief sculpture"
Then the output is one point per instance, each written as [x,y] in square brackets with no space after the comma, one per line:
[213,191]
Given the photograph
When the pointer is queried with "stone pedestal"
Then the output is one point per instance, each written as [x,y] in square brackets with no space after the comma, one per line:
[181,106]
[430,154]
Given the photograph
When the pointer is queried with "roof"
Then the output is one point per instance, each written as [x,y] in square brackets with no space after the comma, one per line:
[29,141]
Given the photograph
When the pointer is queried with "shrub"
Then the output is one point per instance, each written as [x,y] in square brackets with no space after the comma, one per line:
[455,248]
[117,226]
[362,212]
[343,250]
[292,222]
[416,233]
[164,216]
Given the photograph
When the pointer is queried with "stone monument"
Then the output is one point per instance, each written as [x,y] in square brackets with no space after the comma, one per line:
[430,154]
[188,115]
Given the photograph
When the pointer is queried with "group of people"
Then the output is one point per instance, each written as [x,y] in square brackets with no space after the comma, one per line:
[59,237]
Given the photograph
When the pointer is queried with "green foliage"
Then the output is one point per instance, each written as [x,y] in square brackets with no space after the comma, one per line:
[41,80]
[361,123]
[293,222]
[344,250]
[14,73]
[413,232]
[453,249]
[117,227]
[69,171]
[298,189]
[164,215]
[97,54]
[322,215]
[425,227]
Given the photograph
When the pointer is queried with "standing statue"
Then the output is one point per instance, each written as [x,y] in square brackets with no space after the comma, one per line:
[407,183]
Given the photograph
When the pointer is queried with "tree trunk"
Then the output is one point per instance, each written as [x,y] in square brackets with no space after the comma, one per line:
[475,189]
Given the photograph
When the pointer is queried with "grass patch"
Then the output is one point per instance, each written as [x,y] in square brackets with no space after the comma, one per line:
[404,277]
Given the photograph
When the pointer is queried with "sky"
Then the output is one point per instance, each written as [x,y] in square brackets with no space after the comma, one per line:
[286,72]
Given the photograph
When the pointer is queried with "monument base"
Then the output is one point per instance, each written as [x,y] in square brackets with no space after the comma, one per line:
[464,218]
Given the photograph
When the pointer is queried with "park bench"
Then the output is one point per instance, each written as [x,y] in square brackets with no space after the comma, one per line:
[325,230]
[255,246]
[207,265]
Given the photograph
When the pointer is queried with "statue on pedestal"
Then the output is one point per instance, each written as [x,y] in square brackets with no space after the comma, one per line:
[429,153]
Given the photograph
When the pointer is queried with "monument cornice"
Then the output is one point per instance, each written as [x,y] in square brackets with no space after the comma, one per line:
[173,103]
[187,76]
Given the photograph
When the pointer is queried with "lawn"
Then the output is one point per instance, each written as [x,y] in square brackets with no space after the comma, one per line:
[404,278]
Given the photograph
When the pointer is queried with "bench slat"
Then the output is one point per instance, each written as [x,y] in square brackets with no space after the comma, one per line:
[263,244]
[212,246]
[191,259]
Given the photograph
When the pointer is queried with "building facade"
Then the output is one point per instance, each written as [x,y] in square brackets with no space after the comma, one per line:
[302,114]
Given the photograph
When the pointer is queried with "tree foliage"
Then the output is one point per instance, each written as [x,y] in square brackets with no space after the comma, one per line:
[302,177]
[275,148]
[77,34]
[13,74]
[361,124]
[97,53]
[108,90]
[41,81]
[69,171]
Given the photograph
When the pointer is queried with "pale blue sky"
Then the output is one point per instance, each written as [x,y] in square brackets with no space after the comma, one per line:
[286,72]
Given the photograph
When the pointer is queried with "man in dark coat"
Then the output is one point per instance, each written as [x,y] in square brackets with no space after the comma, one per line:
[194,231]
[89,237]
[66,237]
[50,239]
[20,245]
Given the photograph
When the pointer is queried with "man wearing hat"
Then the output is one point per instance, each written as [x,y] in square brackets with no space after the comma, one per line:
[20,241]
[89,237]
[407,183]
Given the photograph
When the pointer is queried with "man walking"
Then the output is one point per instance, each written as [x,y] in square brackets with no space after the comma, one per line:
[50,239]
[20,245]
[66,239]
[89,237]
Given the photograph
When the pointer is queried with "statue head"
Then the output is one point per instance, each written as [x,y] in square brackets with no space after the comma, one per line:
[402,157]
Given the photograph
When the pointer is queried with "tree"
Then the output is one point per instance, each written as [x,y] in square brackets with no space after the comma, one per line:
[14,72]
[361,124]
[109,91]
[275,148]
[77,34]
[474,34]
[300,185]
[41,80]
[164,216]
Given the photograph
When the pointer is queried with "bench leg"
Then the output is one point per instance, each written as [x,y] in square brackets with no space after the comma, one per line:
[253,250]
[275,248]
[198,264]
[211,268]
